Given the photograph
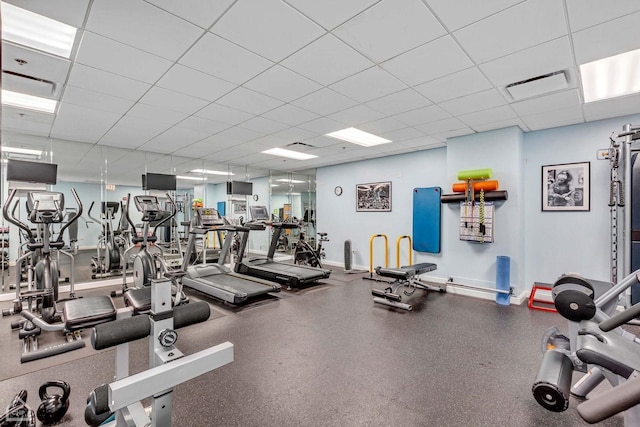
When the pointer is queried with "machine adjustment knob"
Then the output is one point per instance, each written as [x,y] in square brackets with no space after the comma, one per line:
[167,337]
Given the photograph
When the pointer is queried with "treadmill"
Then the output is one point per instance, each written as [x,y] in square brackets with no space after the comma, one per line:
[289,274]
[217,280]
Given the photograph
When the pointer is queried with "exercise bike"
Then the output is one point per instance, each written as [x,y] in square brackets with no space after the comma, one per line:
[305,254]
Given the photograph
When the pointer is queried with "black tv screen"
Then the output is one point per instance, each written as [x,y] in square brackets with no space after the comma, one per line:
[159,181]
[239,187]
[22,170]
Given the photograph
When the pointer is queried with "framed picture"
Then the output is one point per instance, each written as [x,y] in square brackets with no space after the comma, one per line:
[239,207]
[374,197]
[566,187]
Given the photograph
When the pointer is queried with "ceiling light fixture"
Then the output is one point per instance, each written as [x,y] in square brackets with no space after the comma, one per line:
[210,172]
[191,178]
[611,77]
[289,154]
[292,181]
[26,28]
[29,102]
[358,136]
[19,150]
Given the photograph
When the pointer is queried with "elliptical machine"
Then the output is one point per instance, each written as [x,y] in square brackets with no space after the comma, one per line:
[111,244]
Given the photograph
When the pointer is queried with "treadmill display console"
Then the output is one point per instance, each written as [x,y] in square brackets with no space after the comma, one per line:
[209,217]
[259,213]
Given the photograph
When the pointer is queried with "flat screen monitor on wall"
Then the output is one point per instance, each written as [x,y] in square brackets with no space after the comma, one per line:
[240,188]
[24,171]
[159,181]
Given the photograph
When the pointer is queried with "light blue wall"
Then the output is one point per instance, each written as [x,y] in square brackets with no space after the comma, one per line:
[541,245]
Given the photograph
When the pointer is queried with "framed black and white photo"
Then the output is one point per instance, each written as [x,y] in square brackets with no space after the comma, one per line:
[566,187]
[373,197]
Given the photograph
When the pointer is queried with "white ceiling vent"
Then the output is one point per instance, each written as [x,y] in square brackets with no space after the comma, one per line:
[538,86]
[22,83]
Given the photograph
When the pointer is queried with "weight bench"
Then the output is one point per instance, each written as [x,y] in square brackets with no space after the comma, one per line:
[406,276]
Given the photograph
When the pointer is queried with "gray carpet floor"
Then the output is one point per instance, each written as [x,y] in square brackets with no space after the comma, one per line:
[327,356]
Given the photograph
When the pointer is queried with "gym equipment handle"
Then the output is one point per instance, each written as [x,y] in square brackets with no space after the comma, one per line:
[611,402]
[620,318]
[121,331]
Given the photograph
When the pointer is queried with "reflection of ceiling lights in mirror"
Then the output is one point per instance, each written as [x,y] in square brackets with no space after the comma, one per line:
[292,181]
[210,172]
[358,136]
[36,31]
[611,77]
[30,102]
[289,154]
[191,178]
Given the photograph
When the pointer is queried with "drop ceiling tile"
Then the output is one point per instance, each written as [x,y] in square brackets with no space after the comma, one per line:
[323,125]
[194,83]
[404,134]
[71,12]
[475,102]
[132,132]
[422,143]
[108,55]
[611,38]
[554,55]
[588,13]
[232,137]
[525,25]
[290,114]
[143,26]
[174,101]
[203,125]
[283,84]
[455,15]
[355,115]
[269,141]
[501,125]
[418,65]
[431,113]
[25,122]
[98,101]
[454,85]
[106,83]
[453,133]
[223,114]
[331,13]
[83,124]
[269,28]
[327,60]
[249,101]
[293,134]
[173,139]
[490,115]
[440,126]
[557,118]
[38,65]
[156,114]
[203,13]
[557,101]
[230,62]
[369,84]
[390,28]
[399,102]
[378,127]
[198,150]
[324,102]
[263,125]
[615,107]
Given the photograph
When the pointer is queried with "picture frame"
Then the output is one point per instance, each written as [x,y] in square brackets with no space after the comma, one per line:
[566,187]
[373,197]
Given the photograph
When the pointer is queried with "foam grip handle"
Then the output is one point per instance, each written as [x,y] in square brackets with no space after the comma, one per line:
[120,331]
[489,185]
[189,314]
[553,382]
[620,318]
[475,174]
[611,402]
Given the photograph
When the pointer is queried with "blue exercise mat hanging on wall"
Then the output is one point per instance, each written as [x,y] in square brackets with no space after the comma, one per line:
[426,219]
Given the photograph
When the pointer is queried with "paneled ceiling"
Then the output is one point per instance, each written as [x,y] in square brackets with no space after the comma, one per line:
[175,85]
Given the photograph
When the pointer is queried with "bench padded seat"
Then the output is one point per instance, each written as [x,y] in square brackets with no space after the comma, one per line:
[88,311]
[406,272]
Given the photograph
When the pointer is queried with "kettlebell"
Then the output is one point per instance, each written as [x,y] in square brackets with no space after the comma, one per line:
[53,407]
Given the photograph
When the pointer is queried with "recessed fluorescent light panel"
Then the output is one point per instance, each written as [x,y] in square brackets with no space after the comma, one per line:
[358,136]
[210,172]
[289,154]
[292,181]
[190,178]
[611,77]
[30,102]
[19,150]
[26,28]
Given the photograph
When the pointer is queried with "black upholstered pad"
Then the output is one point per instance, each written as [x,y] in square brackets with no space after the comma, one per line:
[89,311]
[406,272]
[607,349]
[138,298]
